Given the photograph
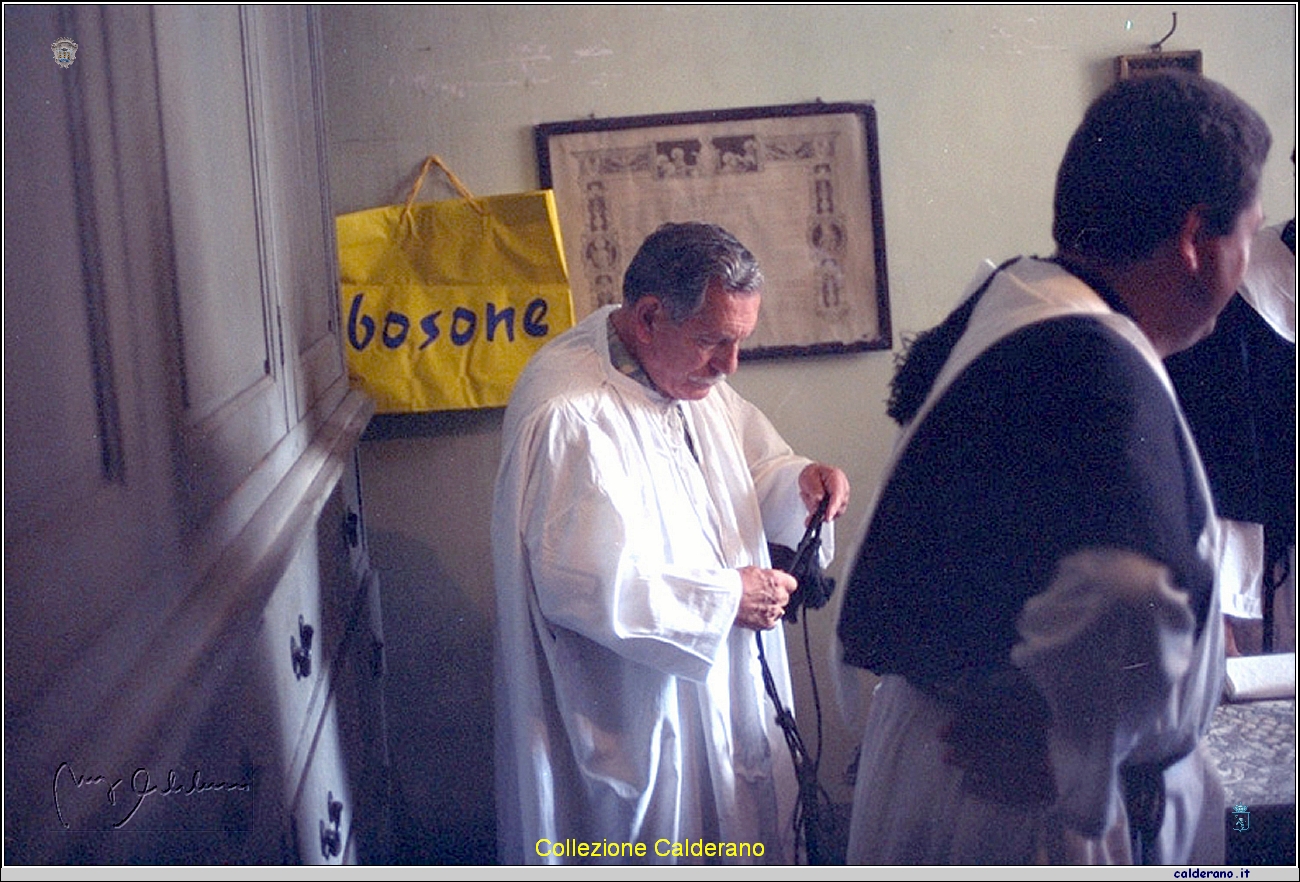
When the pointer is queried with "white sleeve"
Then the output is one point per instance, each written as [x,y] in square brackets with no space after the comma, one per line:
[775,469]
[1241,569]
[598,554]
[1108,645]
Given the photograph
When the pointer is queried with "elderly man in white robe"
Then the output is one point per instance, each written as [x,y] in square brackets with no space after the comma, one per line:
[635,500]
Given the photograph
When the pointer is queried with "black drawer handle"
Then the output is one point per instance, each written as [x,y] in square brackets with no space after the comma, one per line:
[330,837]
[300,653]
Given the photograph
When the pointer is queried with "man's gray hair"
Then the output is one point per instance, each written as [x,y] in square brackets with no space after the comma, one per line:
[677,263]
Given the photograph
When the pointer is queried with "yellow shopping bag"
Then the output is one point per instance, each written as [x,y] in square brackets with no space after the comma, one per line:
[444,302]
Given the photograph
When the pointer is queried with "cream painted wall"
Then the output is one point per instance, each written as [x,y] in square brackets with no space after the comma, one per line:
[974,103]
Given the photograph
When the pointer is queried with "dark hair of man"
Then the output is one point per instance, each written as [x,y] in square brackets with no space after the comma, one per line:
[677,262]
[1149,150]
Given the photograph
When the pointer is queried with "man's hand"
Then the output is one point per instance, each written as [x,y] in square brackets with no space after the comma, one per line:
[998,737]
[818,480]
[764,594]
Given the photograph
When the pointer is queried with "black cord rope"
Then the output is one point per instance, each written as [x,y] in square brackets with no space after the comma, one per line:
[813,798]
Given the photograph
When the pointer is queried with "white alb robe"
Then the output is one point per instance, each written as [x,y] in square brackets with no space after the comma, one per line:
[629,708]
[1269,283]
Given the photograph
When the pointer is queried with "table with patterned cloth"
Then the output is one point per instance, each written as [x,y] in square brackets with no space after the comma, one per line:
[1253,745]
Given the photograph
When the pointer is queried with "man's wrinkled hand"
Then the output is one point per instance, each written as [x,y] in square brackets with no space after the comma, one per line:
[818,480]
[763,598]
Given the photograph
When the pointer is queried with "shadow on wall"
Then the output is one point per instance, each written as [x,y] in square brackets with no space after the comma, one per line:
[438,698]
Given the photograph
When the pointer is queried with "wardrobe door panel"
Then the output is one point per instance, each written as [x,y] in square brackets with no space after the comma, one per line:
[215,128]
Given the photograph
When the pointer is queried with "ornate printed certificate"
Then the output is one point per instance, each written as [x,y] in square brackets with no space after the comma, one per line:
[798,184]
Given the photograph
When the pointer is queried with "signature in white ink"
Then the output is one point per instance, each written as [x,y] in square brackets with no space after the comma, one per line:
[141,787]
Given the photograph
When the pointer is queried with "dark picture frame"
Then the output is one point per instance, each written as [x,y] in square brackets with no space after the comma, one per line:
[799,184]
[1128,66]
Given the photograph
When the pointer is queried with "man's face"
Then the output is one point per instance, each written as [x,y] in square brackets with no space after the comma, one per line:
[686,360]
[1224,262]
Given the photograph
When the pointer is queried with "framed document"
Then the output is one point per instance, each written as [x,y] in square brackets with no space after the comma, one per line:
[1128,66]
[799,184]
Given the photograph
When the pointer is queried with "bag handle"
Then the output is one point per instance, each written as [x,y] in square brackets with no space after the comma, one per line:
[431,161]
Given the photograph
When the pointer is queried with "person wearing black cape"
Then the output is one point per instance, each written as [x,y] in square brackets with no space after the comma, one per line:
[1036,584]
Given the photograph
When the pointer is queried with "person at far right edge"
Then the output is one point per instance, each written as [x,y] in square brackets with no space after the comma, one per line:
[1237,388]
[1037,581]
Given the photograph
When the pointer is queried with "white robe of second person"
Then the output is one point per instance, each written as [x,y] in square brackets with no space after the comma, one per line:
[630,708]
